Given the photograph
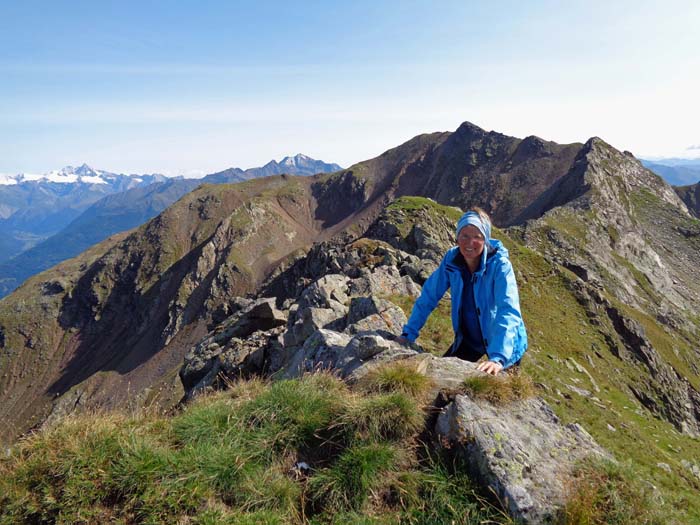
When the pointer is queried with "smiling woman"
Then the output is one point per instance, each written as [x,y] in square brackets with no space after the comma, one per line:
[486,314]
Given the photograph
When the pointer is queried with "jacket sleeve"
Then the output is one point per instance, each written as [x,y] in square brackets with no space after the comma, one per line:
[504,329]
[433,290]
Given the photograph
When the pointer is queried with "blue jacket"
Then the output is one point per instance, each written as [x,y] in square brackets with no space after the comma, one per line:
[496,297]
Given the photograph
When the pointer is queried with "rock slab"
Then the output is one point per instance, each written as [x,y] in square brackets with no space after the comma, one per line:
[520,451]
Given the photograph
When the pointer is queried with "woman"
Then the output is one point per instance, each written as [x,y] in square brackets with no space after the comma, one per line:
[486,314]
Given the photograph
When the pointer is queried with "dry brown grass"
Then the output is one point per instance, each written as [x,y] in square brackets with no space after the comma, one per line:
[507,387]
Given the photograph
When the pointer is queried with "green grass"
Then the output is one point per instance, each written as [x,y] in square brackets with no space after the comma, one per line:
[229,458]
[359,471]
[397,377]
[436,336]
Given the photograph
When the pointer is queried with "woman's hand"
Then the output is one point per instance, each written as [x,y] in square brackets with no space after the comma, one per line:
[490,367]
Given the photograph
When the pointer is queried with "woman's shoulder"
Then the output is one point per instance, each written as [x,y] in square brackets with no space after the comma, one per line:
[498,256]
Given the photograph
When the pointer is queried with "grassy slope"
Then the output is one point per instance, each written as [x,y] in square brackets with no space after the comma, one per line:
[230,459]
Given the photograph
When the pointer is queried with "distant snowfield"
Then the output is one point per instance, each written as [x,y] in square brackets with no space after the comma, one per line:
[67,175]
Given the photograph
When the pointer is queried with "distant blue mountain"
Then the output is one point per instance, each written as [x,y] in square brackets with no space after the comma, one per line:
[678,172]
[34,207]
[297,165]
[86,225]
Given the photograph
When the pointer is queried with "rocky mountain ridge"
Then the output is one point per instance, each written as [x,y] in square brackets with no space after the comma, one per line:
[346,316]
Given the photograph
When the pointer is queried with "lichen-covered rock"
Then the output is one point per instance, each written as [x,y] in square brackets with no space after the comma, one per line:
[521,451]
[225,349]
[326,291]
[370,313]
[367,351]
[206,367]
[322,304]
[321,351]
[418,269]
[309,319]
[384,280]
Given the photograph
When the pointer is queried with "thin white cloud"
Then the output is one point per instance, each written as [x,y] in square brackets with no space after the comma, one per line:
[693,147]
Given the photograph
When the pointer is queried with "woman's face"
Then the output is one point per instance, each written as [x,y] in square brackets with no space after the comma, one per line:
[470,242]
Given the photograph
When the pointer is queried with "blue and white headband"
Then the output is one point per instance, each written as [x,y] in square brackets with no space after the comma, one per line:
[474,219]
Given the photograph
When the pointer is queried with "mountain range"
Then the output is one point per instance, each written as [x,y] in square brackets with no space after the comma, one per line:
[34,207]
[605,252]
[122,209]
[679,172]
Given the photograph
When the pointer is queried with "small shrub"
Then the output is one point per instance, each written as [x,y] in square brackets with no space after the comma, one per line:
[397,377]
[356,518]
[504,388]
[219,517]
[205,422]
[442,494]
[603,493]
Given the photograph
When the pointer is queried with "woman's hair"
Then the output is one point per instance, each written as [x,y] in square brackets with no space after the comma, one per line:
[483,216]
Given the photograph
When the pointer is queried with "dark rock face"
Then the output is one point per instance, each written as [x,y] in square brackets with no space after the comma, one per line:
[501,174]
[690,196]
[234,349]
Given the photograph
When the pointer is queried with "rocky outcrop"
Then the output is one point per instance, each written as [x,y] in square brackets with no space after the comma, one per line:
[520,451]
[234,349]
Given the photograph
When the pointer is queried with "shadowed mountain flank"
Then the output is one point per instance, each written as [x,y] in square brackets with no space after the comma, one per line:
[112,214]
[690,196]
[502,174]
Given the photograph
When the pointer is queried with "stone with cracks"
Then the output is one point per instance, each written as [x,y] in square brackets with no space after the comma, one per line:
[520,451]
[309,319]
[321,351]
[370,313]
[326,291]
[260,315]
[383,280]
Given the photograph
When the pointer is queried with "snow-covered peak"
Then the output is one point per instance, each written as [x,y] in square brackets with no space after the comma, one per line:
[7,180]
[83,174]
[296,160]
[69,175]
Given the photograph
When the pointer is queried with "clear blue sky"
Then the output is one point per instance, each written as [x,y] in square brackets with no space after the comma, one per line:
[195,87]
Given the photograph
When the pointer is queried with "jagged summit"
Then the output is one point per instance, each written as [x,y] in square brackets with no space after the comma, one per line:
[298,165]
